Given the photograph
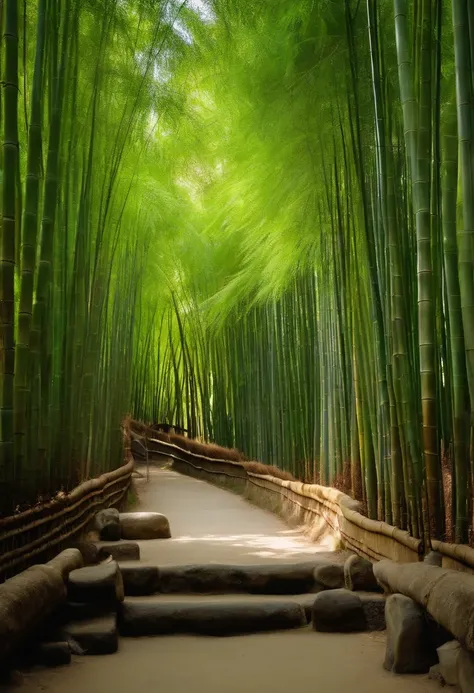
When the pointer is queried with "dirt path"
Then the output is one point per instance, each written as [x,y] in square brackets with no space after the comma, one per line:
[211,525]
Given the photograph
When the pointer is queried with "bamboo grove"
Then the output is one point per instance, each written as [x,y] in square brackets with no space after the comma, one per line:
[251,219]
[79,104]
[321,308]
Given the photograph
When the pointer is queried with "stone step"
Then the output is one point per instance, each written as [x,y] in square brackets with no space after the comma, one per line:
[304,600]
[223,617]
[275,579]
[98,583]
[95,636]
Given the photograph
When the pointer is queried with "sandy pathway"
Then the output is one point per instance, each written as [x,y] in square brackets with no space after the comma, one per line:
[211,525]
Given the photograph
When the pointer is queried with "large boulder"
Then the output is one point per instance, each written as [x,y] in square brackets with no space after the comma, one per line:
[329,575]
[107,524]
[144,526]
[447,595]
[99,583]
[338,611]
[409,649]
[466,671]
[214,618]
[359,575]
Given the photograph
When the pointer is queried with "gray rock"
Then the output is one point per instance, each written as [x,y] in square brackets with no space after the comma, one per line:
[120,550]
[434,558]
[466,671]
[330,575]
[373,606]
[254,579]
[100,583]
[144,526]
[140,580]
[338,611]
[53,654]
[98,636]
[107,524]
[409,648]
[448,661]
[217,618]
[359,575]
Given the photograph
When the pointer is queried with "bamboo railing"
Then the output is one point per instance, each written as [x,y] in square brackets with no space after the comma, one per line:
[304,502]
[370,538]
[38,534]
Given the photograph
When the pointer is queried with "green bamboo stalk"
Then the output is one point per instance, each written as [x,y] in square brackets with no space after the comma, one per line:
[8,236]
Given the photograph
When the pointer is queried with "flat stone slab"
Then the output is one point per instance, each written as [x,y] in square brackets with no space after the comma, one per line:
[144,526]
[98,583]
[254,579]
[119,550]
[141,618]
[140,580]
[97,636]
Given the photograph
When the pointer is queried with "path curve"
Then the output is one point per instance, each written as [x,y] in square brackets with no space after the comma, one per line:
[212,525]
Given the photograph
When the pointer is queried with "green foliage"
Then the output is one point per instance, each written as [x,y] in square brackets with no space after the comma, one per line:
[319,317]
[253,220]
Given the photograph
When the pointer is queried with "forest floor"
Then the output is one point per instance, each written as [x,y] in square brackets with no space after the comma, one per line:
[212,525]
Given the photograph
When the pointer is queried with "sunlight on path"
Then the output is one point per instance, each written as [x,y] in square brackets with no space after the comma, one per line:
[210,525]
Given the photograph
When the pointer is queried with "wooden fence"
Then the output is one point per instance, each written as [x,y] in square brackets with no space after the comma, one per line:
[309,503]
[303,503]
[38,534]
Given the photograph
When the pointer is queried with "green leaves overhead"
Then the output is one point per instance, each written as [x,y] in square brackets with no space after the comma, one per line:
[322,262]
